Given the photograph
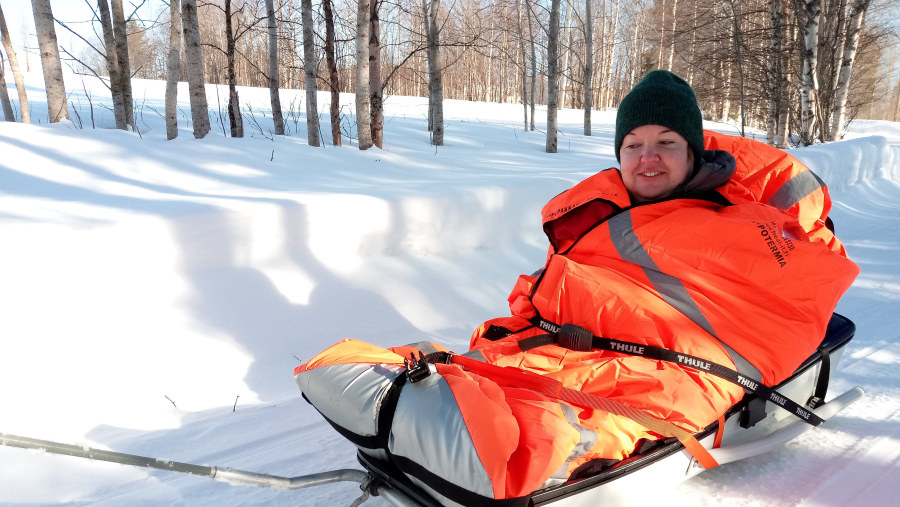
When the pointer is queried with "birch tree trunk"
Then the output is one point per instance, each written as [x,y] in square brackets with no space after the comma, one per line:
[588,64]
[674,27]
[809,82]
[533,58]
[524,72]
[274,96]
[363,129]
[235,119]
[736,21]
[112,65]
[334,108]
[552,76]
[57,105]
[375,92]
[309,71]
[857,13]
[193,59]
[121,38]
[662,36]
[784,93]
[565,17]
[173,69]
[24,110]
[774,81]
[8,113]
[435,83]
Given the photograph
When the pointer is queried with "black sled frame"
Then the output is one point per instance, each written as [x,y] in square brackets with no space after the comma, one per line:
[753,426]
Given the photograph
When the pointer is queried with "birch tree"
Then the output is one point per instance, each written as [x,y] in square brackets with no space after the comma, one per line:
[124,63]
[784,114]
[112,65]
[272,78]
[24,110]
[57,105]
[857,13]
[193,59]
[235,119]
[8,113]
[173,69]
[333,78]
[533,58]
[363,128]
[309,70]
[552,76]
[809,78]
[588,64]
[435,82]
[775,78]
[524,66]
[375,92]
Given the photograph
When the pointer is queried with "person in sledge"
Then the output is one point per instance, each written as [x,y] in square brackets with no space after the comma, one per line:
[680,250]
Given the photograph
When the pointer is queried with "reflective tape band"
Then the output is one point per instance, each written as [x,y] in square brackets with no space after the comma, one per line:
[795,189]
[673,291]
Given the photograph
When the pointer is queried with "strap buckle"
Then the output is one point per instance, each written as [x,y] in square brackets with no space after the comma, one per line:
[574,338]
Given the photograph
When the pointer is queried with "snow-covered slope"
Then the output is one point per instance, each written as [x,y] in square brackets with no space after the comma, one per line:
[155,295]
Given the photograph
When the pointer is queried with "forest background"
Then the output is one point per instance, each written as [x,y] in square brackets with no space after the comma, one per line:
[798,69]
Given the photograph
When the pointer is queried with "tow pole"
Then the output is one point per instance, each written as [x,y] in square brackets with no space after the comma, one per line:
[228,475]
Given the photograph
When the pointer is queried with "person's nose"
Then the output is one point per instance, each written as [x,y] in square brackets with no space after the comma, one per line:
[649,154]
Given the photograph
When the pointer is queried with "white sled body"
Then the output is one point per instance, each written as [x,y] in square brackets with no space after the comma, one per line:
[667,464]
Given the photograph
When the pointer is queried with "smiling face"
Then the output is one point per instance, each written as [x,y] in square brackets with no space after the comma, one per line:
[654,161]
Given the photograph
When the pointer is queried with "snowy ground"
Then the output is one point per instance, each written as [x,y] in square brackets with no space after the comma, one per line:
[156,295]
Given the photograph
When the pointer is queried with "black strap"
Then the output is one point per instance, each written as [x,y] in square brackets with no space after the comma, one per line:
[818,397]
[576,338]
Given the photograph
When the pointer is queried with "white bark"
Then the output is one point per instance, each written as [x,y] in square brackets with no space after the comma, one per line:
[193,60]
[809,82]
[552,77]
[274,97]
[857,13]
[309,69]
[57,105]
[8,113]
[24,110]
[672,44]
[363,127]
[173,69]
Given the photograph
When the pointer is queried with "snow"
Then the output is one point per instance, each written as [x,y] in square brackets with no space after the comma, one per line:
[156,295]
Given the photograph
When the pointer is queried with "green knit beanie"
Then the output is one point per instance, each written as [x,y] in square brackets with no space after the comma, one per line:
[662,98]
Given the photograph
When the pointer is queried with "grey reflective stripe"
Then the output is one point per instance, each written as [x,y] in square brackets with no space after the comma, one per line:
[630,248]
[350,394]
[588,439]
[429,429]
[795,189]
[476,355]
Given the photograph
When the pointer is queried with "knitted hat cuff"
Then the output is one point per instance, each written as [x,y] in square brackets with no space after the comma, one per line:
[664,99]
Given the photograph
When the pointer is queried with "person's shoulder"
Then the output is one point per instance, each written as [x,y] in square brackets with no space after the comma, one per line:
[605,185]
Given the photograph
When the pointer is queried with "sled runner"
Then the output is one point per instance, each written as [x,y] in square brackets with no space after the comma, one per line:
[753,426]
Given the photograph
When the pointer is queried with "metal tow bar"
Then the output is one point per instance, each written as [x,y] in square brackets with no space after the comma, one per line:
[228,475]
